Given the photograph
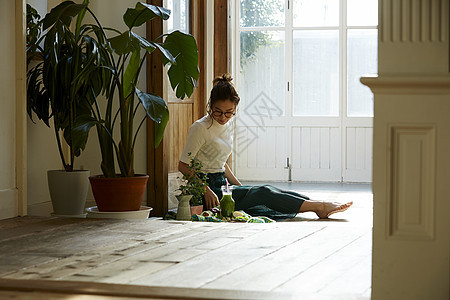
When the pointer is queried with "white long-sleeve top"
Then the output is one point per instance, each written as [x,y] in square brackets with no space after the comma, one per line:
[210,143]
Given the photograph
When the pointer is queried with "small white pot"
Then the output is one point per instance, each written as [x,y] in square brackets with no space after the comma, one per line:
[184,209]
[68,191]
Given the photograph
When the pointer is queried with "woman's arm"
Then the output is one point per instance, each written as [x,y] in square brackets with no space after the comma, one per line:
[211,198]
[230,176]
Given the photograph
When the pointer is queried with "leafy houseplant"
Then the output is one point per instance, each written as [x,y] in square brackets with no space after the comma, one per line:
[113,71]
[123,56]
[55,55]
[194,183]
[51,95]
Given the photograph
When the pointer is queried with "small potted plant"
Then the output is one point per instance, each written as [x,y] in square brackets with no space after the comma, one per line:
[190,200]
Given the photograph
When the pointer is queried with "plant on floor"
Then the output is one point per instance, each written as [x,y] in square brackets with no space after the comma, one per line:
[56,54]
[122,57]
[90,75]
[194,183]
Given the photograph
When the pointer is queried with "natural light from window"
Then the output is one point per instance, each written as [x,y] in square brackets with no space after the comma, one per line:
[316,45]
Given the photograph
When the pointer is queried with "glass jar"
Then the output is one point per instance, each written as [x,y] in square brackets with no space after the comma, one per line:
[227,202]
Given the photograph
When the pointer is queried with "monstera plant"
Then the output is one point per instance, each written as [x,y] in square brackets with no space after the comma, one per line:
[108,83]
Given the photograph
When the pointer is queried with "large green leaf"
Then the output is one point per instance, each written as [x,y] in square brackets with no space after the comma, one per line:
[124,43]
[157,110]
[80,18]
[63,12]
[80,132]
[37,96]
[168,56]
[142,13]
[149,46]
[144,43]
[129,77]
[184,73]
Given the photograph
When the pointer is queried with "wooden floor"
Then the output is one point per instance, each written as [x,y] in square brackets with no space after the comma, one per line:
[304,258]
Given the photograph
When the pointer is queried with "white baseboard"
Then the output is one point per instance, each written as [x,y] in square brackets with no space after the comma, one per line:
[40,209]
[45,209]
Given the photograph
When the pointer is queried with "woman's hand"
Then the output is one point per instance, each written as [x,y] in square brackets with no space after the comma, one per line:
[211,198]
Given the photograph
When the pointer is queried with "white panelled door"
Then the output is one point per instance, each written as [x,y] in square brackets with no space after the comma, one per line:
[304,115]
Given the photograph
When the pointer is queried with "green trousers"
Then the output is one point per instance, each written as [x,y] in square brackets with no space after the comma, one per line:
[260,200]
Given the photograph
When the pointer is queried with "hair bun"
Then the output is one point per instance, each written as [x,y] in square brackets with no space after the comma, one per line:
[225,78]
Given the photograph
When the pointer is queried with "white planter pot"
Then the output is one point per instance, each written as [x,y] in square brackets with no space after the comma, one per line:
[68,191]
[184,209]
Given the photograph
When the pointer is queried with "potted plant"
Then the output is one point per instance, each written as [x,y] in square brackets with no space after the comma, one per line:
[190,200]
[115,74]
[55,55]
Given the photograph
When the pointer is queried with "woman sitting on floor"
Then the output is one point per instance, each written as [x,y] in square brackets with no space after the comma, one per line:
[210,141]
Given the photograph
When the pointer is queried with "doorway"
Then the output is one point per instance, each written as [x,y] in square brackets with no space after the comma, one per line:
[304,115]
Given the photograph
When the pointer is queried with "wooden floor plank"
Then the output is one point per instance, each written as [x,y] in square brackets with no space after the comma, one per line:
[119,273]
[228,258]
[321,256]
[135,272]
[334,267]
[354,280]
[101,253]
[278,267]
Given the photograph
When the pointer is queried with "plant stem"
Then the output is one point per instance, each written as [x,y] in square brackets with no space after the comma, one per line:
[137,130]
[58,142]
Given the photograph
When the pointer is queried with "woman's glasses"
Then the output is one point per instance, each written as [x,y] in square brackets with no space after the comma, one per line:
[218,113]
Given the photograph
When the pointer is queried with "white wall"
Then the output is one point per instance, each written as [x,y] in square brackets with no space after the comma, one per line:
[8,191]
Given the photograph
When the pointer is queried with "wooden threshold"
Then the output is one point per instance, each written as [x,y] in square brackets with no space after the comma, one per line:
[51,289]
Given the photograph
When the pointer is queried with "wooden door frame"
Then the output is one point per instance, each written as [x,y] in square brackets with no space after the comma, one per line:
[157,167]
[21,112]
[220,37]
[157,159]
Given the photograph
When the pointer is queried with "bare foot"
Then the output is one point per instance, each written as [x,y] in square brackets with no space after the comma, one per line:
[329,208]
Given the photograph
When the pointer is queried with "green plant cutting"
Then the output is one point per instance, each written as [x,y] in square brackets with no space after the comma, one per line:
[195,182]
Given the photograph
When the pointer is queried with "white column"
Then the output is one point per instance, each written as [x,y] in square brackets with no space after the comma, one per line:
[411,162]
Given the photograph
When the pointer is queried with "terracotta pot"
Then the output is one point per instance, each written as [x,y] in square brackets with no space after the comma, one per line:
[196,210]
[118,193]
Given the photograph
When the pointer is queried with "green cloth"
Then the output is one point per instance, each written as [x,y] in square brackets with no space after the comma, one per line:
[245,218]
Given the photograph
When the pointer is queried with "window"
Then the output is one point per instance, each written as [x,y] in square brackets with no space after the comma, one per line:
[178,20]
[179,15]
[317,46]
[304,115]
